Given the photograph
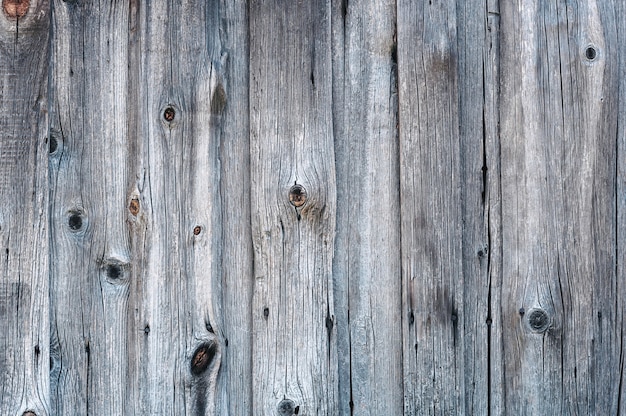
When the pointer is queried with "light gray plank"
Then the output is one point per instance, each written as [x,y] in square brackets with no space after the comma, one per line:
[431,208]
[24,303]
[366,268]
[178,227]
[237,256]
[558,139]
[291,142]
[619,49]
[91,264]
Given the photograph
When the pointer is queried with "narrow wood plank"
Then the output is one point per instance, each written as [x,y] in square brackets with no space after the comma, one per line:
[291,143]
[559,300]
[477,26]
[619,49]
[24,302]
[366,268]
[237,255]
[178,231]
[91,264]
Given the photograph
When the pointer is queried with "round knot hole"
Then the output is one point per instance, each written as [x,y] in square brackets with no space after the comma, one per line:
[202,357]
[591,53]
[538,320]
[286,407]
[75,221]
[197,230]
[169,114]
[297,195]
[29,413]
[113,271]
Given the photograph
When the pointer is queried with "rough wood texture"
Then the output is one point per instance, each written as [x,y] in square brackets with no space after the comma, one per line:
[431,209]
[366,268]
[562,349]
[312,208]
[291,142]
[24,302]
[91,273]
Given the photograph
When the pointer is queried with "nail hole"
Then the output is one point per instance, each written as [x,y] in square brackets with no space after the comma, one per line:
[146,329]
[266,312]
[522,311]
[591,53]
[169,114]
[297,195]
[197,230]
[202,357]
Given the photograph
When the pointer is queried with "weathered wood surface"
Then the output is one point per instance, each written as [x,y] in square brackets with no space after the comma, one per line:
[24,301]
[366,266]
[561,297]
[454,242]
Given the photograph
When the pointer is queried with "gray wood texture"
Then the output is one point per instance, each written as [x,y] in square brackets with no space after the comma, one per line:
[24,301]
[312,207]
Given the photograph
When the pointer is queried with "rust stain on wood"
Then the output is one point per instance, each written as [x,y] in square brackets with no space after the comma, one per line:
[15,8]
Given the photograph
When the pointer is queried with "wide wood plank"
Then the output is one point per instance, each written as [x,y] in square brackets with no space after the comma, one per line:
[562,347]
[366,268]
[431,209]
[91,271]
[24,302]
[292,159]
[177,227]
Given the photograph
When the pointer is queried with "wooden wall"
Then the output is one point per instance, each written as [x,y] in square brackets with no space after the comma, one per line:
[311,207]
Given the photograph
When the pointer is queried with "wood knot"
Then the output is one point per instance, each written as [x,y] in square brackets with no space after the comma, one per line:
[133,207]
[538,320]
[202,357]
[15,9]
[297,195]
[197,230]
[286,408]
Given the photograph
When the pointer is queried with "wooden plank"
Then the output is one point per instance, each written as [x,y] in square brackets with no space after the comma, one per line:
[562,347]
[237,255]
[291,144]
[178,231]
[366,267]
[24,356]
[431,207]
[619,49]
[477,25]
[91,271]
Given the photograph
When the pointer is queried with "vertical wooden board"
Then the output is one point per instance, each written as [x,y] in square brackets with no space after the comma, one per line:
[237,256]
[558,120]
[90,257]
[431,208]
[24,318]
[366,268]
[291,142]
[177,227]
[478,120]
[620,319]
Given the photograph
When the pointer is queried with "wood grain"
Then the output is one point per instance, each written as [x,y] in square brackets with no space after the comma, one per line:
[24,302]
[291,142]
[558,141]
[366,267]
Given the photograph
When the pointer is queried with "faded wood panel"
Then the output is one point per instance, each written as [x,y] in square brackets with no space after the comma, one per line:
[431,208]
[562,347]
[178,227]
[366,267]
[291,143]
[24,302]
[91,269]
[477,31]
[619,50]
[237,257]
